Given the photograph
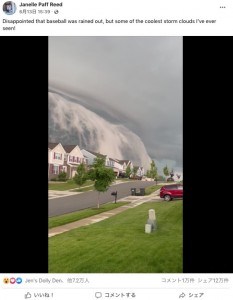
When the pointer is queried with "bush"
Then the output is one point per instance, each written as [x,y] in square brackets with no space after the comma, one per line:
[62,176]
[53,179]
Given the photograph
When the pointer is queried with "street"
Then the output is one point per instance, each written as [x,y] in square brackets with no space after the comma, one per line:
[76,202]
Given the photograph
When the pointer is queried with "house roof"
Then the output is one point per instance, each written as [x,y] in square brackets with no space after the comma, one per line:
[97,154]
[52,145]
[69,148]
[138,167]
[126,161]
[114,159]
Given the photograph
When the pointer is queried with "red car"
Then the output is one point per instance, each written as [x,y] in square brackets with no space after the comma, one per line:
[168,192]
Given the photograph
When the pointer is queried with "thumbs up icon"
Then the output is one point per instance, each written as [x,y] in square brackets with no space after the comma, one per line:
[27,296]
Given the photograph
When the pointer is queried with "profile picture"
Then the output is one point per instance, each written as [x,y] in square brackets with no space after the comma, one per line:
[9,8]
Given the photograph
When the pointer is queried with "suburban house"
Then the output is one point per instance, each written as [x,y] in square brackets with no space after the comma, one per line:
[66,158]
[73,158]
[91,156]
[140,171]
[125,164]
[115,165]
[56,156]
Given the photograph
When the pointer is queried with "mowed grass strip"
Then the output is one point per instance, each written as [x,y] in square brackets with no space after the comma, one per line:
[84,189]
[150,189]
[119,244]
[64,186]
[79,215]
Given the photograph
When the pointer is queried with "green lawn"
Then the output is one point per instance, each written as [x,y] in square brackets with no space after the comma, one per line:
[64,186]
[75,216]
[150,189]
[120,245]
[84,189]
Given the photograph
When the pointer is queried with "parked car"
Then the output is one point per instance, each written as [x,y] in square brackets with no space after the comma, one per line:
[168,192]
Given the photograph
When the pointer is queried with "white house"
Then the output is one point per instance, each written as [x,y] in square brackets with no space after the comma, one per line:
[91,155]
[56,156]
[140,172]
[125,163]
[115,165]
[73,158]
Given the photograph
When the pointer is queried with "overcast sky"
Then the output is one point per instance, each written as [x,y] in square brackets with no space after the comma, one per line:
[134,81]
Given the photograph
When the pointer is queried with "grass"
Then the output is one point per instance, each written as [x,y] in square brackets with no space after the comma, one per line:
[123,179]
[150,189]
[75,216]
[84,189]
[64,186]
[119,244]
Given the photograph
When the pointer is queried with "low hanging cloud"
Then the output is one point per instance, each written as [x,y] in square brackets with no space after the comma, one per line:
[133,82]
[71,123]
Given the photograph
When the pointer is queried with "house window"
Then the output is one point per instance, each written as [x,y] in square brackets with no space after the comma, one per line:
[58,156]
[55,169]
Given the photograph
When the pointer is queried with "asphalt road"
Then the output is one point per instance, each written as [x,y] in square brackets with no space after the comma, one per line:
[76,202]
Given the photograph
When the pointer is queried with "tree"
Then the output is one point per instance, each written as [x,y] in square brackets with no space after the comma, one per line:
[153,170]
[81,175]
[166,171]
[148,174]
[134,173]
[102,176]
[128,171]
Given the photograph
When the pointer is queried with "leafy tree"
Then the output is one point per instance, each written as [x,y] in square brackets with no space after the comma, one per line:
[148,174]
[135,169]
[153,170]
[166,171]
[81,175]
[128,171]
[102,176]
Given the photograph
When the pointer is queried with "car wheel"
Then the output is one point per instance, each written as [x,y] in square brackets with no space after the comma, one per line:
[167,197]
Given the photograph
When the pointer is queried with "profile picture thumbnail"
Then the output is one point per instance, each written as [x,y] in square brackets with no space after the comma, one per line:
[9,8]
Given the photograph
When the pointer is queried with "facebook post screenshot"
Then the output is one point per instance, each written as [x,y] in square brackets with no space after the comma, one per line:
[116,218]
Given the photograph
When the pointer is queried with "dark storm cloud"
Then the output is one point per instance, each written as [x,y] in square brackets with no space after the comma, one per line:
[136,81]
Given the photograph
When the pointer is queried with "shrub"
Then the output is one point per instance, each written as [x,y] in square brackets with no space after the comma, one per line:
[62,176]
[53,179]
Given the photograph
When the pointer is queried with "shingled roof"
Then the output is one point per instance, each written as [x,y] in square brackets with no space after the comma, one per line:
[69,148]
[126,161]
[97,154]
[52,145]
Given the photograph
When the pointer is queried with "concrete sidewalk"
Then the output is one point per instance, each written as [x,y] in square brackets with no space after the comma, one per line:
[134,201]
